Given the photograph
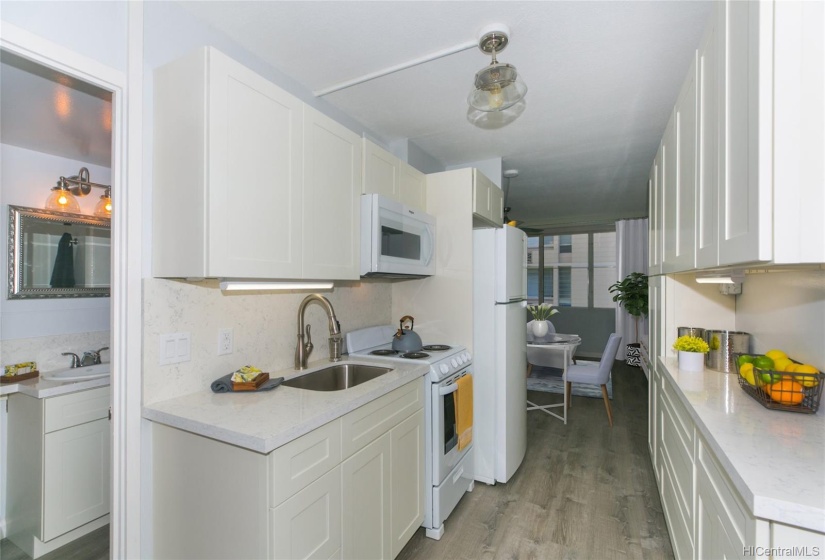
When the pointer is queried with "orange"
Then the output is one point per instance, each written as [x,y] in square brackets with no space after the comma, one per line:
[786,392]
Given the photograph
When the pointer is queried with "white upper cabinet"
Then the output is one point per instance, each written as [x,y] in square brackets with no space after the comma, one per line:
[759,166]
[679,189]
[248,182]
[387,175]
[656,219]
[707,186]
[381,172]
[331,199]
[227,162]
[413,187]
[487,202]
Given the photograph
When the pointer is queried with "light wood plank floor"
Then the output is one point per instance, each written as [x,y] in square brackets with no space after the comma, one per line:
[94,546]
[583,491]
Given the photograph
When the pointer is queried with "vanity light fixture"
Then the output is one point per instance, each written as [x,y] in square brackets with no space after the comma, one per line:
[104,205]
[61,199]
[239,285]
[63,195]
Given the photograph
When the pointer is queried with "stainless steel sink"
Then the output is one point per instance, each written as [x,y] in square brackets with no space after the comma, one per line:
[336,378]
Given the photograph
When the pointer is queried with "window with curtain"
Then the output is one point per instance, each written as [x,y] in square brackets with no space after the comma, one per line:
[571,270]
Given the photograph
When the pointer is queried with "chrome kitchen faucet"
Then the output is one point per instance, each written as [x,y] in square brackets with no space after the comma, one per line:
[304,349]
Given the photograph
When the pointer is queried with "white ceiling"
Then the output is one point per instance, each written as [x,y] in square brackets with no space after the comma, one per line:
[602,78]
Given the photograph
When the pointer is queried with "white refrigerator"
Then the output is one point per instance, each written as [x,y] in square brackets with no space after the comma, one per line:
[499,352]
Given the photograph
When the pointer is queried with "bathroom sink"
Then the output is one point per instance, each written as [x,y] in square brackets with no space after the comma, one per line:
[336,378]
[78,374]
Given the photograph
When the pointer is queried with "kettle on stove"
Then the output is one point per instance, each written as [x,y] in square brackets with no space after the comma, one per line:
[405,340]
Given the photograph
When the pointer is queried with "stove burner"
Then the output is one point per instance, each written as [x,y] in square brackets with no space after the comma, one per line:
[436,347]
[385,352]
[415,355]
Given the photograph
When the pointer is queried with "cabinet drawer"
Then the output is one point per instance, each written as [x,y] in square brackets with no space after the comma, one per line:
[681,534]
[294,465]
[76,408]
[364,424]
[683,423]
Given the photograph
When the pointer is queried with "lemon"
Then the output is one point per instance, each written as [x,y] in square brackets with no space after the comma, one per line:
[809,380]
[746,371]
[791,367]
[776,354]
[779,364]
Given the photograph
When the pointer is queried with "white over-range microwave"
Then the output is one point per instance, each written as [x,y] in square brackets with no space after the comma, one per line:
[396,241]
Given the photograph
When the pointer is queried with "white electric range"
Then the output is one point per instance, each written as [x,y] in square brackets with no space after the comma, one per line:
[448,472]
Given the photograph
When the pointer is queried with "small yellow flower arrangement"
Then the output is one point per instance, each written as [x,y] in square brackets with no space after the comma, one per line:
[691,344]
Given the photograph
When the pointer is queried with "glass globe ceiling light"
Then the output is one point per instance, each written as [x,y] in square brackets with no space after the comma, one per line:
[498,86]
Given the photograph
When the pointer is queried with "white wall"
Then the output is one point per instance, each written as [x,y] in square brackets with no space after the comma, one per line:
[785,310]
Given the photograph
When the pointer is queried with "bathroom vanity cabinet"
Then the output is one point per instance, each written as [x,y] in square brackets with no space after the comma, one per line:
[59,468]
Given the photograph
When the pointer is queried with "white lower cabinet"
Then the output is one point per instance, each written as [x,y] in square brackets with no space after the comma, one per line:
[308,525]
[59,467]
[366,488]
[351,489]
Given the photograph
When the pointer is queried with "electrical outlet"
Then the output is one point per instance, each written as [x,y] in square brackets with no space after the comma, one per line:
[224,342]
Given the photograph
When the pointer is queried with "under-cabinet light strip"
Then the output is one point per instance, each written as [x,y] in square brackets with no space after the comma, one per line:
[276,286]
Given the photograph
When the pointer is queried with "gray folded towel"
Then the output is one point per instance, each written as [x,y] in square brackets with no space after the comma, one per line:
[224,385]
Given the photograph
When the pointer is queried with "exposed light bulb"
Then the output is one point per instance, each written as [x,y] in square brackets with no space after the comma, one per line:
[62,200]
[495,97]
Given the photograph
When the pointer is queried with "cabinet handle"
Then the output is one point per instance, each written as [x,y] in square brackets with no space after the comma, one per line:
[110,413]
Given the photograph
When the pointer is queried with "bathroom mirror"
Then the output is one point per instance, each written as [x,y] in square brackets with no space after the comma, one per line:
[58,255]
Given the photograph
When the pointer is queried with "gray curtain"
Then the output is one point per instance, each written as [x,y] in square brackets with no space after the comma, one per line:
[631,256]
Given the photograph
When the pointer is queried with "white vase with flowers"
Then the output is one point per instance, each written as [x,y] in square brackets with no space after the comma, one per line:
[541,313]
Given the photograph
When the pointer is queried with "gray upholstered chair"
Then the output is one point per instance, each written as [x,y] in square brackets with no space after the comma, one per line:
[594,374]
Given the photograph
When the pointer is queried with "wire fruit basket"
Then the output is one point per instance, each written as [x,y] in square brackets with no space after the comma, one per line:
[782,390]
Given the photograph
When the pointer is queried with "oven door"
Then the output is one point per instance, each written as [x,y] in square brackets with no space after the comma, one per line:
[445,453]
[395,239]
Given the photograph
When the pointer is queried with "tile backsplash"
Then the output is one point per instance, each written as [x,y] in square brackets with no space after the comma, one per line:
[264,328]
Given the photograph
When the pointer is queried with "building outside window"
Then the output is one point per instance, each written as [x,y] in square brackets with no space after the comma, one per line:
[571,270]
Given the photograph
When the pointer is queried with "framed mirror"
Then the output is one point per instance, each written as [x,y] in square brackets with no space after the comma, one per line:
[58,255]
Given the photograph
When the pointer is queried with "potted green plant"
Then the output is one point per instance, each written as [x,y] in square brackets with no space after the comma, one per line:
[541,313]
[692,350]
[631,293]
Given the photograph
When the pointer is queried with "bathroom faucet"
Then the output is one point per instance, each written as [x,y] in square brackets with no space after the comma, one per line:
[304,349]
[75,359]
[92,357]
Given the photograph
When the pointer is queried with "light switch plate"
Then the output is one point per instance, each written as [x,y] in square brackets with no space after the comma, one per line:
[175,348]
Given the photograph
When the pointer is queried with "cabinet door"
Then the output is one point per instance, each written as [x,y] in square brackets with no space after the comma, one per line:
[745,228]
[253,174]
[685,242]
[669,189]
[366,502]
[496,205]
[707,186]
[407,480]
[308,525]
[413,187]
[76,477]
[655,222]
[381,172]
[331,199]
[482,188]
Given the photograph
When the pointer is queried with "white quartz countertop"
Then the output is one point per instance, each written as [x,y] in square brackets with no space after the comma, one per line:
[263,421]
[41,388]
[776,459]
